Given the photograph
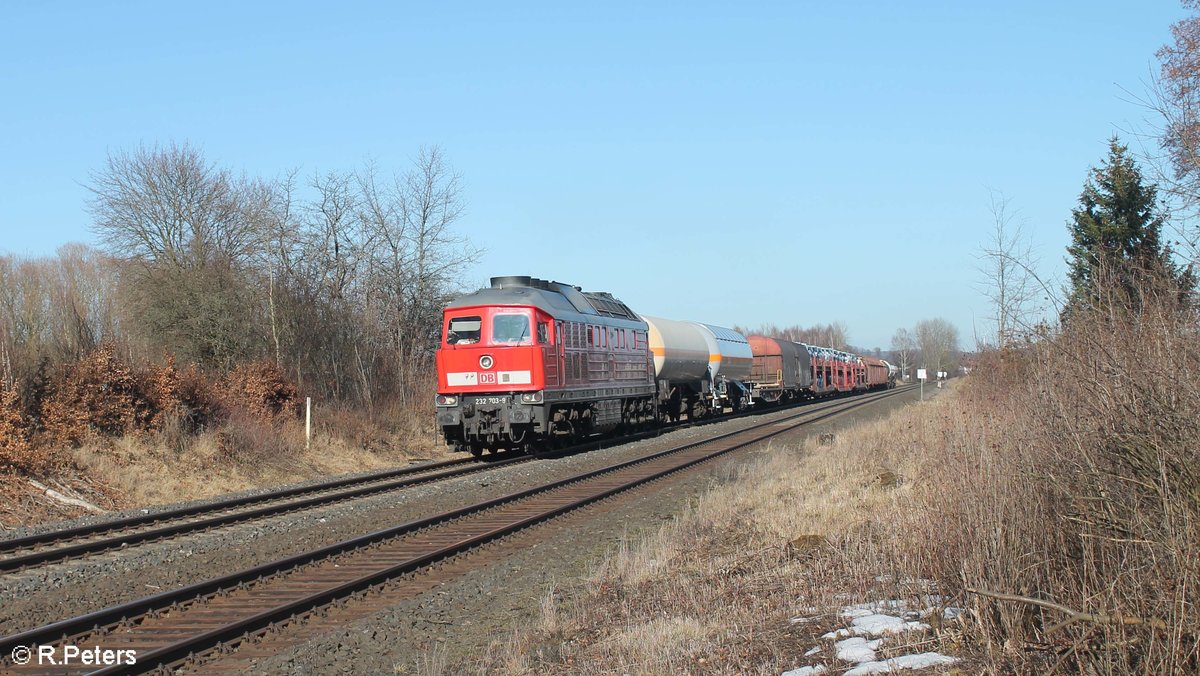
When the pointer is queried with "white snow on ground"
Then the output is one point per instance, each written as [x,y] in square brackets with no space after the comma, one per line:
[857,649]
[880,619]
[867,620]
[921,661]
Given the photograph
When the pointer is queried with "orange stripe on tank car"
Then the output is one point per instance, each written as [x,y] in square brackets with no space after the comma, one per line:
[683,354]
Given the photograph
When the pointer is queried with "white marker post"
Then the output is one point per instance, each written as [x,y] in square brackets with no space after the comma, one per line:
[307,422]
[921,375]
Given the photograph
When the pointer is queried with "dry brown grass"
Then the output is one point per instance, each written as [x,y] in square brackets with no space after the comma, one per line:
[713,591]
[152,469]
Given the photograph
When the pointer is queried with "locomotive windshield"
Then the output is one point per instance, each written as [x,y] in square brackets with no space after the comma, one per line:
[510,329]
[463,330]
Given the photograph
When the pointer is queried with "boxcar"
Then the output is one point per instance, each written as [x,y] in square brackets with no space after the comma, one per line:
[781,369]
[876,373]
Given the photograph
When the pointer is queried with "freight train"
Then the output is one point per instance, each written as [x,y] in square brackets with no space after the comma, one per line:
[529,363]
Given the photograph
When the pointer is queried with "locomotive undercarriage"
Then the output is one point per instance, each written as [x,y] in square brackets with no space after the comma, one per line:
[492,424]
[681,400]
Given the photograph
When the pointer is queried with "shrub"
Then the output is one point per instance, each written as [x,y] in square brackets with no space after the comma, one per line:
[250,441]
[1079,482]
[96,394]
[261,389]
[16,451]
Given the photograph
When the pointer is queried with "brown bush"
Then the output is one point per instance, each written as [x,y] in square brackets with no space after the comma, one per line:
[97,394]
[1080,484]
[16,452]
[260,389]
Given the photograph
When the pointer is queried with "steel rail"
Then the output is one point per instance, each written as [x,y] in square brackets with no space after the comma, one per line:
[182,512]
[41,556]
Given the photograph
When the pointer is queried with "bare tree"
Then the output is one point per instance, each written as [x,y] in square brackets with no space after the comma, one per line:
[55,308]
[171,206]
[1007,261]
[417,258]
[937,339]
[1171,135]
[341,278]
[188,232]
[904,346]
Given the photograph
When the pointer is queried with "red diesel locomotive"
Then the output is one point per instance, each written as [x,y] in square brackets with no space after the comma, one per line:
[527,361]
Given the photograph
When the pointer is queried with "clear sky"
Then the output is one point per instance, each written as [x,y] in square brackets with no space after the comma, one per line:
[792,162]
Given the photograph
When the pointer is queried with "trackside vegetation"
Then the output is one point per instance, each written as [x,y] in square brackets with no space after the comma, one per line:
[1052,494]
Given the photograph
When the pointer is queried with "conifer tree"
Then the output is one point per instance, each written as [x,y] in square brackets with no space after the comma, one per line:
[1116,249]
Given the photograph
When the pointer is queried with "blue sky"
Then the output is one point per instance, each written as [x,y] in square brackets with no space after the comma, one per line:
[792,163]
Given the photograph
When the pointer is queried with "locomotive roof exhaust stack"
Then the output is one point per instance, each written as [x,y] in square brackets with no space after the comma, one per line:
[509,282]
[516,281]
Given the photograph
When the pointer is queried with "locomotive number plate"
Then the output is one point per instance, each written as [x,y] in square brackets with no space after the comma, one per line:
[491,400]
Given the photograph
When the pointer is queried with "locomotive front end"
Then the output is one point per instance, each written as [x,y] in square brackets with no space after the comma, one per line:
[491,376]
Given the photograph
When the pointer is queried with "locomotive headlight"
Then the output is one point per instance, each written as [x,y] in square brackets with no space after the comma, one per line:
[446,400]
[485,362]
[531,397]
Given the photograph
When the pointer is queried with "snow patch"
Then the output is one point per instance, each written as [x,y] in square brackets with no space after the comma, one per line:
[880,619]
[807,671]
[919,661]
[866,619]
[878,625]
[857,649]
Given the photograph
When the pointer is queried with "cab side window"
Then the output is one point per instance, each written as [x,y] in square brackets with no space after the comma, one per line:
[463,330]
[543,333]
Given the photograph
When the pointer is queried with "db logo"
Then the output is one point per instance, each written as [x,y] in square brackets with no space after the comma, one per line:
[487,379]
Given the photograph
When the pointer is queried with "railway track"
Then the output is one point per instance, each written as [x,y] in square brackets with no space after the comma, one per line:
[198,621]
[34,550]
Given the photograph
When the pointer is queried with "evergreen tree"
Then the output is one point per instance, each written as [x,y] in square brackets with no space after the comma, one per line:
[1116,250]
